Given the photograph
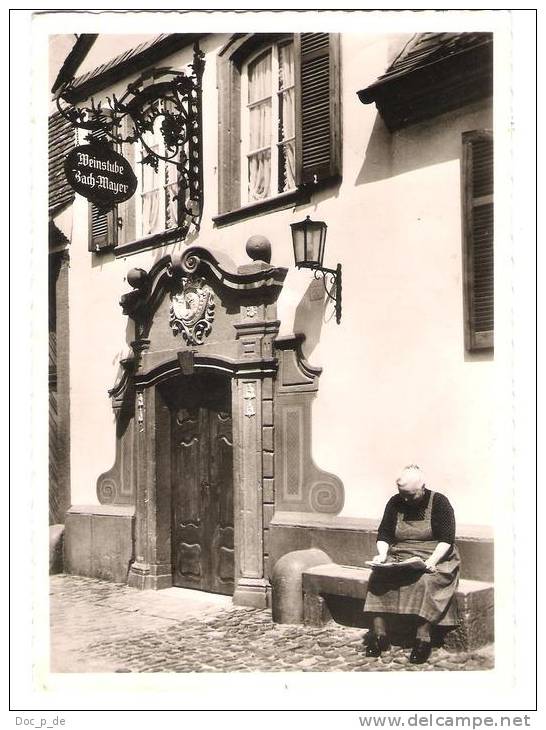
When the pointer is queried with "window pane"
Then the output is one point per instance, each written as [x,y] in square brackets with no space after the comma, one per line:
[172,184]
[286,174]
[171,206]
[286,66]
[259,175]
[150,213]
[287,167]
[260,126]
[150,178]
[286,114]
[259,78]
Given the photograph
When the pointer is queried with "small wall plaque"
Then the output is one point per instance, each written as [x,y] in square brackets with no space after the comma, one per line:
[249,396]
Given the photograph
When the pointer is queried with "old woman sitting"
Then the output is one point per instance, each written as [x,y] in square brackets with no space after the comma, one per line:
[417,523]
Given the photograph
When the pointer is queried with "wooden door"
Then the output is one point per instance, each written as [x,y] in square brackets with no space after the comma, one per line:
[202,486]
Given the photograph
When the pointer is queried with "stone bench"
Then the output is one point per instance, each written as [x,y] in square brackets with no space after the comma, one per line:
[352,541]
[321,583]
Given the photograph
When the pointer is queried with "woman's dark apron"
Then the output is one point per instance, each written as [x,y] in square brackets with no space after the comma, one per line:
[428,595]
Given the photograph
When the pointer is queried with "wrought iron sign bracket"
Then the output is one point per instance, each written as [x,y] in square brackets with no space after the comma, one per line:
[171,96]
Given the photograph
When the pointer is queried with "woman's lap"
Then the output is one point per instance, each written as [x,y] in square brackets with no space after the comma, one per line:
[427,595]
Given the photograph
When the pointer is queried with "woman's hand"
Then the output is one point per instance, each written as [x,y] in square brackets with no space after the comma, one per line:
[439,552]
[382,548]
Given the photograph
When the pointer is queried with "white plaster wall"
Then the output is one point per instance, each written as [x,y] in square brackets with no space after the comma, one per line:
[98,340]
[397,387]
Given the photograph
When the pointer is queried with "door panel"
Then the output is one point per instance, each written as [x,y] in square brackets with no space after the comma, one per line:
[202,485]
[221,469]
[187,532]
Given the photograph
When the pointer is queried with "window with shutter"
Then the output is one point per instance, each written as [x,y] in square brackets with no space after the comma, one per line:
[102,226]
[279,120]
[477,174]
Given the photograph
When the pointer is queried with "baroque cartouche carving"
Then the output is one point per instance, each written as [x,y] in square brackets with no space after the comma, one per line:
[192,311]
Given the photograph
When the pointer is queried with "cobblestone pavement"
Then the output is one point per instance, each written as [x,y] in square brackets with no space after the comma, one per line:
[103,627]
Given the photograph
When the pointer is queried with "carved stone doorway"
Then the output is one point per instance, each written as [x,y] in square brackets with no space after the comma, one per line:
[178,383]
[199,475]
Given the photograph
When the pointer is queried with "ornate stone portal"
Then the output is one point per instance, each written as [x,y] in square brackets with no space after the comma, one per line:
[229,327]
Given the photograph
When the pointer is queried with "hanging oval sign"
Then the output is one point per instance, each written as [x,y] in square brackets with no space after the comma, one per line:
[100,174]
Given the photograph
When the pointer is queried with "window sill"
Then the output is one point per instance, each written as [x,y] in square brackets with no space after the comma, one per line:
[149,242]
[279,202]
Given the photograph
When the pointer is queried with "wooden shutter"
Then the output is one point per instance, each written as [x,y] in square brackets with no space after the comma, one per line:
[61,140]
[478,248]
[318,130]
[102,226]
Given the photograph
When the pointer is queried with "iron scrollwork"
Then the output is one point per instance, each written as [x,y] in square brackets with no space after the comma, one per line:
[173,96]
[331,280]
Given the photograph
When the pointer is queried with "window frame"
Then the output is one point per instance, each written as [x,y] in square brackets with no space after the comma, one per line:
[230,62]
[122,236]
[129,240]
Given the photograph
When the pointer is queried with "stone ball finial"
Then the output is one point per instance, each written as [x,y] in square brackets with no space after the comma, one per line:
[137,278]
[259,248]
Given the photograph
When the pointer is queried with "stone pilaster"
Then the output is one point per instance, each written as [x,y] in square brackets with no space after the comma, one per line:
[268,471]
[250,588]
[152,566]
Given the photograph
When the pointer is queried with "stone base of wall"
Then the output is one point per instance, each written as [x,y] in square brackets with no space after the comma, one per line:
[98,541]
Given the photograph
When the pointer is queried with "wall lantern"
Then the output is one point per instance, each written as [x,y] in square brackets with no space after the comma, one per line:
[309,240]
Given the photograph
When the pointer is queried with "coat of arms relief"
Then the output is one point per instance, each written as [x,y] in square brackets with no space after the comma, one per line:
[192,311]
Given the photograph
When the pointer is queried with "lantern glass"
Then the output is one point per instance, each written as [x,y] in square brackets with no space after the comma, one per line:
[309,239]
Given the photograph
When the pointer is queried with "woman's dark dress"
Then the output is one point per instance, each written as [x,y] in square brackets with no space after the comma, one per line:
[416,531]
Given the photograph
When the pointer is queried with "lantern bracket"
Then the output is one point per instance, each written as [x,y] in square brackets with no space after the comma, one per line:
[331,280]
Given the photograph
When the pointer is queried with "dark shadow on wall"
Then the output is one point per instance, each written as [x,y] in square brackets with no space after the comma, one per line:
[414,147]
[309,316]
[378,156]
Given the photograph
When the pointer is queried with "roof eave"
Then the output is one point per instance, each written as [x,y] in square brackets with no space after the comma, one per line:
[433,89]
[438,67]
[75,58]
[172,43]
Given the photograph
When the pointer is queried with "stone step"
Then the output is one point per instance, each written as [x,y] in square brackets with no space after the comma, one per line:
[474,598]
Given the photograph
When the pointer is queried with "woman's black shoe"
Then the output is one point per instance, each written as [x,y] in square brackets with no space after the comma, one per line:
[421,652]
[376,644]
